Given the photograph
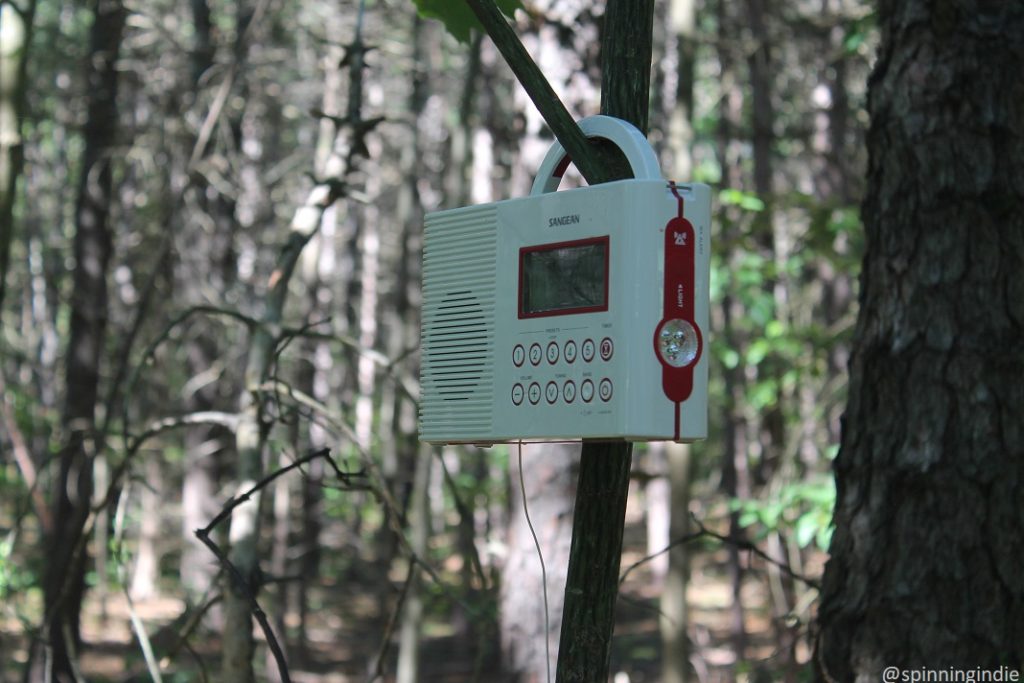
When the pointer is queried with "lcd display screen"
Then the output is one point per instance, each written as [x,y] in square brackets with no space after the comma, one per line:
[569,277]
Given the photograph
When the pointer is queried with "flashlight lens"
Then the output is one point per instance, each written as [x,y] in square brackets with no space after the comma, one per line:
[678,343]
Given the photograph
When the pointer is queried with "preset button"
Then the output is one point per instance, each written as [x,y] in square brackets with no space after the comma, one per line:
[518,355]
[569,351]
[588,350]
[553,353]
[587,391]
[535,354]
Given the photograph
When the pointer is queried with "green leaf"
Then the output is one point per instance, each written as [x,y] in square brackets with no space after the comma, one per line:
[457,17]
[748,518]
[807,528]
[757,352]
[824,537]
[745,200]
[764,394]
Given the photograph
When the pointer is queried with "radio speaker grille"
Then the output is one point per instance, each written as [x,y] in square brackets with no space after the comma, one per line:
[457,371]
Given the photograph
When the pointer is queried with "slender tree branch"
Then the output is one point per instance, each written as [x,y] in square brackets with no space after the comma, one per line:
[23,459]
[202,417]
[248,591]
[682,540]
[189,626]
[325,453]
[596,165]
[376,482]
[385,642]
[257,611]
[122,574]
[465,518]
[744,544]
[740,543]
[127,343]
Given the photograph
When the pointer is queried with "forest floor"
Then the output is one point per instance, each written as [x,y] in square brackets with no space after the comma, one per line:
[343,638]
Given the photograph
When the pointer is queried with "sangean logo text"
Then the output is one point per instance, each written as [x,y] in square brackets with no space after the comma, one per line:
[564,220]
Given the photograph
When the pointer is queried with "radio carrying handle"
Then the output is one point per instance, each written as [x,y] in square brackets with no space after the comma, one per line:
[622,134]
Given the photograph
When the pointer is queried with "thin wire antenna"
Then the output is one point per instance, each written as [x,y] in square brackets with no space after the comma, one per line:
[543,570]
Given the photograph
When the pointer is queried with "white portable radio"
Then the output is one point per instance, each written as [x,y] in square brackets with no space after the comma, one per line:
[580,314]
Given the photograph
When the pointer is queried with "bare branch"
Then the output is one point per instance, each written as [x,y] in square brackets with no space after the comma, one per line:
[644,560]
[202,417]
[23,459]
[741,543]
[591,161]
[744,544]
[248,591]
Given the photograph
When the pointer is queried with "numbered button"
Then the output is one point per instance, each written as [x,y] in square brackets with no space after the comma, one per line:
[569,351]
[587,391]
[551,392]
[607,348]
[518,355]
[535,354]
[533,393]
[553,353]
[517,394]
[569,391]
[605,390]
[588,350]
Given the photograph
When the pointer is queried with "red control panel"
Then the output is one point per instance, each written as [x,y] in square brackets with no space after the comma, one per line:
[677,338]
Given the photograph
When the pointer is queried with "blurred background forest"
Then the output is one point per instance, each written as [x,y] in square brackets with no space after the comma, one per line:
[210,241]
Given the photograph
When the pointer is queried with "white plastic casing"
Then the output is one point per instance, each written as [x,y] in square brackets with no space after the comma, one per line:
[599,375]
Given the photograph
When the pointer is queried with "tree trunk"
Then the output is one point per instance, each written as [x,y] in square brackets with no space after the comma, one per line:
[64,580]
[146,574]
[588,617]
[925,566]
[255,421]
[548,477]
[16,27]
[735,477]
[407,670]
[214,256]
[675,657]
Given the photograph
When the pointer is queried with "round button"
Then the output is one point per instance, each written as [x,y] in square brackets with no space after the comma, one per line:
[607,348]
[551,392]
[587,391]
[533,393]
[605,389]
[518,355]
[517,394]
[535,354]
[569,391]
[569,351]
[553,353]
[588,350]
[678,342]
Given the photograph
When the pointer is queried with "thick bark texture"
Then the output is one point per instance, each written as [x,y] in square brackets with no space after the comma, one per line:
[64,581]
[592,583]
[926,557]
